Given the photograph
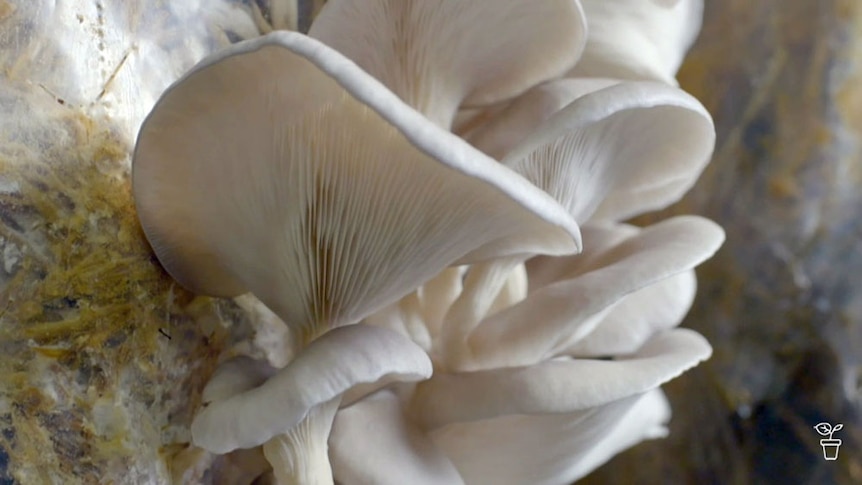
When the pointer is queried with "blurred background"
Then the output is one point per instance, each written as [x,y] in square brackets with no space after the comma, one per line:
[781,302]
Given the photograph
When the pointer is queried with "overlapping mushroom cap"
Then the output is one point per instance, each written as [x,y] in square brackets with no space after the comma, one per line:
[279,167]
[562,366]
[605,150]
[571,367]
[633,51]
[248,402]
[439,55]
[618,151]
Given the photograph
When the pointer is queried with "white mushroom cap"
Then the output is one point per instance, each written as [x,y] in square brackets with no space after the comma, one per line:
[439,54]
[510,449]
[619,151]
[550,449]
[555,316]
[637,317]
[331,365]
[646,419]
[281,168]
[622,149]
[498,129]
[638,39]
[560,385]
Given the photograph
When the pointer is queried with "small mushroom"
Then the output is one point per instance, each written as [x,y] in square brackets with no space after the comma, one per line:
[278,167]
[289,411]
[439,54]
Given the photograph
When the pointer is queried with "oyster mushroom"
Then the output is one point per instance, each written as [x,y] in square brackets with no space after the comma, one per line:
[603,146]
[634,319]
[562,312]
[529,406]
[440,54]
[630,40]
[550,449]
[611,153]
[619,151]
[280,168]
[289,412]
[497,130]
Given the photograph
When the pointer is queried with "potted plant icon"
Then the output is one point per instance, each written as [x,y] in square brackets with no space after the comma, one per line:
[830,445]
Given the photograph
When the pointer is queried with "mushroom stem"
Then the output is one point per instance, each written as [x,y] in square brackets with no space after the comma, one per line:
[482,284]
[300,456]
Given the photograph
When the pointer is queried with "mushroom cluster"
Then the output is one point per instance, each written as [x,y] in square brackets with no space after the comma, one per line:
[430,195]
